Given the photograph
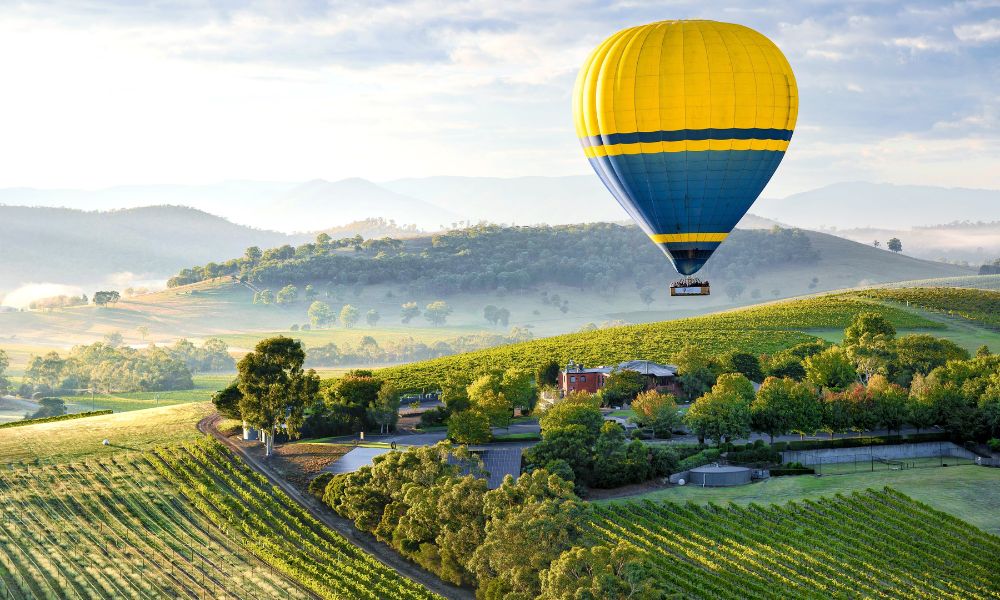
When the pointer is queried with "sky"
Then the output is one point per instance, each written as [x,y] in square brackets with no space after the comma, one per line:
[103,93]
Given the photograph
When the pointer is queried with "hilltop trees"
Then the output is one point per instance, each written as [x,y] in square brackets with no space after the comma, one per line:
[4,363]
[437,312]
[349,316]
[831,369]
[104,298]
[408,311]
[372,317]
[274,389]
[321,315]
[895,245]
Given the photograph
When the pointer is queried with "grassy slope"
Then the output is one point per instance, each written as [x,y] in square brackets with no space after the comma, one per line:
[81,438]
[969,492]
[762,329]
[220,308]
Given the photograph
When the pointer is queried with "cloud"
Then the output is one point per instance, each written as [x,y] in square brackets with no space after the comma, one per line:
[988,31]
[198,90]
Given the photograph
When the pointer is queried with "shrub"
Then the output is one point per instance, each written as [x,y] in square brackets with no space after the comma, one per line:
[994,444]
[317,487]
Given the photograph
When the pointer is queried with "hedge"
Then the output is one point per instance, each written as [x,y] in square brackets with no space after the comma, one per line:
[93,413]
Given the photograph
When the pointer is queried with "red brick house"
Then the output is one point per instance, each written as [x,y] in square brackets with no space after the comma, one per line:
[576,378]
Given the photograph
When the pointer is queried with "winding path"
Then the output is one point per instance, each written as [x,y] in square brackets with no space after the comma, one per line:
[364,541]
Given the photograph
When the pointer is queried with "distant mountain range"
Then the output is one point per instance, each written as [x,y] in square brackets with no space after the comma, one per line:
[435,203]
[73,247]
[69,245]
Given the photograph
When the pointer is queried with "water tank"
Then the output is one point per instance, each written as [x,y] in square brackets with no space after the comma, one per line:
[719,476]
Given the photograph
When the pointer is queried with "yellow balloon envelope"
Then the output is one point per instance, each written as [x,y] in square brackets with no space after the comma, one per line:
[685,122]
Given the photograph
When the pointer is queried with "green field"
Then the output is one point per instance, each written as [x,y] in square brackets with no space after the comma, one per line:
[867,544]
[970,493]
[181,521]
[78,439]
[204,387]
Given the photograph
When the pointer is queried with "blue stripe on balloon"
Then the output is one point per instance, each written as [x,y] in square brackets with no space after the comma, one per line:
[705,191]
[679,135]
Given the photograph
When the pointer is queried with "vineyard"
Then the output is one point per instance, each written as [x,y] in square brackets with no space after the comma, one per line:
[179,522]
[759,330]
[981,306]
[872,544]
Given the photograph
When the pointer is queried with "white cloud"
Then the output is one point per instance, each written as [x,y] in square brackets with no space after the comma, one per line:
[987,31]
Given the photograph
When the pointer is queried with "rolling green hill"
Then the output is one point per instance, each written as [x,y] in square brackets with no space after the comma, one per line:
[595,271]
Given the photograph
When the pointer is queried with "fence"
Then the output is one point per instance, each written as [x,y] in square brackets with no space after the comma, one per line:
[861,463]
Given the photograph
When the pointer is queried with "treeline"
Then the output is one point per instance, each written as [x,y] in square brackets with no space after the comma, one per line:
[368,351]
[873,380]
[493,258]
[109,366]
[58,302]
[523,540]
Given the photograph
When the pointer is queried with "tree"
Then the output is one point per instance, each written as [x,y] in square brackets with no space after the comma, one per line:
[921,354]
[600,573]
[658,411]
[287,295]
[621,386]
[876,243]
[771,411]
[275,389]
[836,412]
[409,310]
[469,427]
[264,297]
[455,393]
[385,410]
[563,414]
[895,245]
[104,298]
[349,316]
[646,295]
[517,386]
[351,397]
[547,373]
[494,405]
[734,289]
[503,316]
[529,524]
[830,369]
[889,403]
[724,412]
[694,370]
[309,293]
[227,401]
[437,312]
[870,324]
[4,363]
[610,457]
[572,444]
[744,363]
[143,331]
[983,350]
[49,407]
[321,315]
[372,317]
[490,314]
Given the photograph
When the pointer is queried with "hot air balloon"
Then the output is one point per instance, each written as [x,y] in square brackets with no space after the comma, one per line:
[685,122]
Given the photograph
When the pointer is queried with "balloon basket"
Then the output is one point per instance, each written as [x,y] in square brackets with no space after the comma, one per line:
[690,286]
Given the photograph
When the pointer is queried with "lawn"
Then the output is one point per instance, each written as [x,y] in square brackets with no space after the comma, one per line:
[77,439]
[204,387]
[970,493]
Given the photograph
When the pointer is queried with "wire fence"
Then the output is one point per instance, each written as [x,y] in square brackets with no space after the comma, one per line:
[862,463]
